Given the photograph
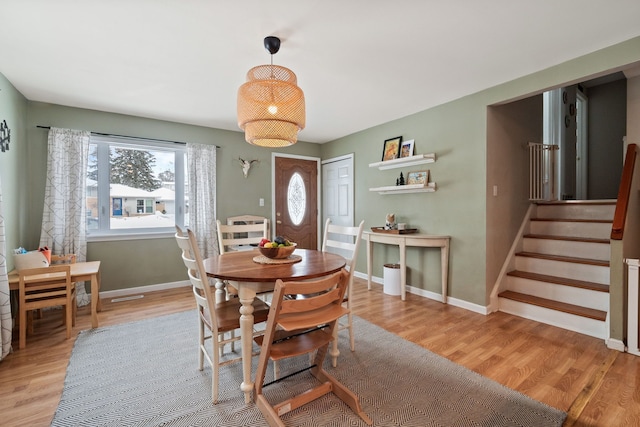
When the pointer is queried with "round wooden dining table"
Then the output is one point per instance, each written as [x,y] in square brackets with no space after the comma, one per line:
[251,276]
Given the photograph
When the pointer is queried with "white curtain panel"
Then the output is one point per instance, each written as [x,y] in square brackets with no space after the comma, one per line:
[64,215]
[201,160]
[6,323]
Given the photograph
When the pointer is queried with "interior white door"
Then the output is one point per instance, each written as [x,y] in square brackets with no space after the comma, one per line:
[337,190]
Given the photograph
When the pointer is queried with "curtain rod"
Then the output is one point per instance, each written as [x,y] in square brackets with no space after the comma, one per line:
[131,137]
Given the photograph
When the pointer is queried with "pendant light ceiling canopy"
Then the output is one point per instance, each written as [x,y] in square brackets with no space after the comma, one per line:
[271,107]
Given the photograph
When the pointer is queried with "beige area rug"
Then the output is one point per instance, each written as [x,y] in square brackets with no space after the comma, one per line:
[145,374]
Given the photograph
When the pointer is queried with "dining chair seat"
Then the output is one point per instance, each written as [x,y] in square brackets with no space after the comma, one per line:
[228,312]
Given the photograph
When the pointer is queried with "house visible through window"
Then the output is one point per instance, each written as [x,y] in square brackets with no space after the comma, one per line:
[135,186]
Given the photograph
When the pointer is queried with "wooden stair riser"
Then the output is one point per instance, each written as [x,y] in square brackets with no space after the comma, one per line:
[571,228]
[588,250]
[557,292]
[576,211]
[583,325]
[586,272]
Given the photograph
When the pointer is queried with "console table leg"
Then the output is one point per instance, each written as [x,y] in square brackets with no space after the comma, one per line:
[369,261]
[444,266]
[403,269]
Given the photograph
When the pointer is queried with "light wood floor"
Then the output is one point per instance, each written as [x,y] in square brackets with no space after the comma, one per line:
[569,371]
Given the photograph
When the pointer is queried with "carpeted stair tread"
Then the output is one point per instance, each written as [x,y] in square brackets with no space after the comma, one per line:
[588,261]
[559,280]
[555,305]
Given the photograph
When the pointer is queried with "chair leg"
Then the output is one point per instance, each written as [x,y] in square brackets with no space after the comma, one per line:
[352,337]
[201,345]
[334,352]
[74,307]
[215,370]
[23,328]
[270,415]
[30,322]
[346,395]
[69,318]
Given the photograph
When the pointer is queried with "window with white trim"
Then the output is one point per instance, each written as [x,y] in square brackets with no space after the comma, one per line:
[135,186]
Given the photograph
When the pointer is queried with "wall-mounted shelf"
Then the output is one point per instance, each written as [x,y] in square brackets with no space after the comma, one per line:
[413,188]
[418,159]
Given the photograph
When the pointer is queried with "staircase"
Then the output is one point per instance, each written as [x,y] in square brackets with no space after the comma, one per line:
[561,272]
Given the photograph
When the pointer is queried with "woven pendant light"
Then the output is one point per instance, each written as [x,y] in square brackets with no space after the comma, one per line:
[270,104]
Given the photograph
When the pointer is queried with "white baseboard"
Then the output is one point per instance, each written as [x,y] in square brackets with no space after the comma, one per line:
[431,295]
[378,280]
[614,344]
[143,289]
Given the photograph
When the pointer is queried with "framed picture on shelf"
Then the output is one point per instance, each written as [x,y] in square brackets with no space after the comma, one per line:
[391,148]
[418,177]
[406,149]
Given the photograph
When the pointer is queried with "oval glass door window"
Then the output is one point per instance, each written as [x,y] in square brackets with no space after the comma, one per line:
[296,198]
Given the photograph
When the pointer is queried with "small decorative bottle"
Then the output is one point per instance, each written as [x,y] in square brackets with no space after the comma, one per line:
[401,182]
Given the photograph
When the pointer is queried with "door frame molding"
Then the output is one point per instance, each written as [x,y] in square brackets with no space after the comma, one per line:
[318,160]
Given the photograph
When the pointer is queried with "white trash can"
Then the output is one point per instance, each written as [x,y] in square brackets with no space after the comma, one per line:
[392,279]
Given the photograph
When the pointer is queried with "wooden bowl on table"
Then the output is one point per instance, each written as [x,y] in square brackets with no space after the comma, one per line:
[280,252]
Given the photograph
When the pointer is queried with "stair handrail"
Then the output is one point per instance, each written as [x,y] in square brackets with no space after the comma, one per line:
[620,215]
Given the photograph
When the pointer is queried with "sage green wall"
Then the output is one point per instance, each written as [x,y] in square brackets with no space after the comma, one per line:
[447,131]
[457,133]
[13,169]
[131,263]
[509,128]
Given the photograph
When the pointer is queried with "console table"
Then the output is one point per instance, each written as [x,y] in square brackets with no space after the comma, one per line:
[402,241]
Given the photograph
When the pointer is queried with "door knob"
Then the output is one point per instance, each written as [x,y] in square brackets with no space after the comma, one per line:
[278,222]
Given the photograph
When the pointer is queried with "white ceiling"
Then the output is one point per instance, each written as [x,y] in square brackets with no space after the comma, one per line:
[359,62]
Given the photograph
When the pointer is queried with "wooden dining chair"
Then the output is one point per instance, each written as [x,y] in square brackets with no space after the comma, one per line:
[345,241]
[232,237]
[215,319]
[302,326]
[45,287]
[54,259]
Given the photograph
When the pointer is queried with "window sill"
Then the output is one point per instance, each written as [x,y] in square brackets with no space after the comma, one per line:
[112,237]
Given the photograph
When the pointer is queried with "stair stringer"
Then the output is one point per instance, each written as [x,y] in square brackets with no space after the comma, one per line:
[509,262]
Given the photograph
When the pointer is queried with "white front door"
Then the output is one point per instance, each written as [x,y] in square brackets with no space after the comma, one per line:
[337,190]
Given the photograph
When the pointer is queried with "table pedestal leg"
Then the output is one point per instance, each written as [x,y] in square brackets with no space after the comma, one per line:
[246,330]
